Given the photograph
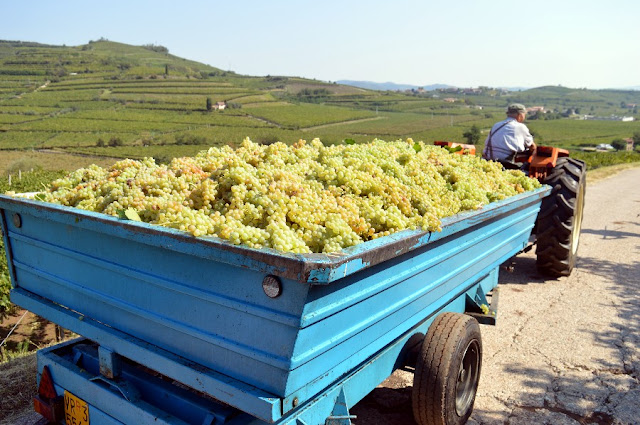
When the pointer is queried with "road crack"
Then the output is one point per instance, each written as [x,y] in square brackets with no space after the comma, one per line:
[597,418]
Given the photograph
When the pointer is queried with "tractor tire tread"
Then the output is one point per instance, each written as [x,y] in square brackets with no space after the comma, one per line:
[555,223]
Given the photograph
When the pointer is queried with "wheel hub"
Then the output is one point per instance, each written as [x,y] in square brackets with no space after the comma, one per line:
[468,375]
[577,220]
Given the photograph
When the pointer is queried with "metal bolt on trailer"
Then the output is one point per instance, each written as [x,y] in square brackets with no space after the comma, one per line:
[184,330]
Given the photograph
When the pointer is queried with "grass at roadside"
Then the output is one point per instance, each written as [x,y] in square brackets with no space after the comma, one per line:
[17,386]
[606,172]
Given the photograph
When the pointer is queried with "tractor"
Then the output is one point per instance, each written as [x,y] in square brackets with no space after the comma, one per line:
[557,231]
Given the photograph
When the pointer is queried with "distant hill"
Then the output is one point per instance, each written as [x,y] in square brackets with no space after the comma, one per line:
[371,85]
[563,97]
[97,58]
[515,88]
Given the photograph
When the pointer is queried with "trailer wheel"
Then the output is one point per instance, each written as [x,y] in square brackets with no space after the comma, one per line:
[560,218]
[447,371]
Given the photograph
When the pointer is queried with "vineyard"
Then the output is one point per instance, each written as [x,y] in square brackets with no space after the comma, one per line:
[107,99]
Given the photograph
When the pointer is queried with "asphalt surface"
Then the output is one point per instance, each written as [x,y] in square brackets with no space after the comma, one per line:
[564,351]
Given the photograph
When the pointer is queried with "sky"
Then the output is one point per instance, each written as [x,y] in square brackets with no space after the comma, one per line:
[465,43]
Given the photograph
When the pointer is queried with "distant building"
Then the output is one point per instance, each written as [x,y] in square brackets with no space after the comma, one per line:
[629,142]
[449,99]
[536,109]
[219,106]
[609,118]
[605,147]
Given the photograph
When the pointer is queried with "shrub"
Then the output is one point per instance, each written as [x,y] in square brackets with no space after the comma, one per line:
[268,140]
[115,142]
[190,139]
[619,144]
[24,165]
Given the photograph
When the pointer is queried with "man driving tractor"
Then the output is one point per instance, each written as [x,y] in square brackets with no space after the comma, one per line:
[509,137]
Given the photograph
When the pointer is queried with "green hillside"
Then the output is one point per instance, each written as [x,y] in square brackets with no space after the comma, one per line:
[105,100]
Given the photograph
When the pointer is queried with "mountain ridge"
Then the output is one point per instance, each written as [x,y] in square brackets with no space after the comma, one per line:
[372,85]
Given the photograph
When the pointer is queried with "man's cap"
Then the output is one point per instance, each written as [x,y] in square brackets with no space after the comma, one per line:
[516,108]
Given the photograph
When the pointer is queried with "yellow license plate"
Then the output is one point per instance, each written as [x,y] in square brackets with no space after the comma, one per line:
[76,411]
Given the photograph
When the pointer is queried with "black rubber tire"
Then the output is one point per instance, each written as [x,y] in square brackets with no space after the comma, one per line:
[560,218]
[447,371]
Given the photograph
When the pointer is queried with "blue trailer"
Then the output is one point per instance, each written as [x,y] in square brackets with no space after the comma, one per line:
[184,330]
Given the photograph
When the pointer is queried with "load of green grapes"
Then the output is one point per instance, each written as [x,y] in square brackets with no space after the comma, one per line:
[301,198]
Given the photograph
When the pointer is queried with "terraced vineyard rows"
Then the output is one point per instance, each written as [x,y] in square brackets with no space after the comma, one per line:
[112,99]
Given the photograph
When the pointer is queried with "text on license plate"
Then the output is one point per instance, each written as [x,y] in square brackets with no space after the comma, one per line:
[76,411]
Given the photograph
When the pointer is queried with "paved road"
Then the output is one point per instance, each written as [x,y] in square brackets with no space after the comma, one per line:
[564,351]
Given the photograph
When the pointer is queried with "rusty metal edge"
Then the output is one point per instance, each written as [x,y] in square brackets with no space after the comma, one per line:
[299,267]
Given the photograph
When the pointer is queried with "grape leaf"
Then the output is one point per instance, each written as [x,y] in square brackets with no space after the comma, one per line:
[128,214]
[453,150]
[417,147]
[39,197]
[349,141]
[132,214]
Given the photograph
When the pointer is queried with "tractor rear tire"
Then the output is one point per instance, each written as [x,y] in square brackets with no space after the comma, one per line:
[560,219]
[447,371]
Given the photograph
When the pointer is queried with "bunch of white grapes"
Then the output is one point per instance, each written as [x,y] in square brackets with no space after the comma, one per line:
[301,198]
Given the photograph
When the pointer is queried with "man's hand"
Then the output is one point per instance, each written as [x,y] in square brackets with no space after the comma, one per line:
[532,149]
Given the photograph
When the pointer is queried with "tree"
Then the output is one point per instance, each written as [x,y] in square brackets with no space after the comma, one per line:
[209,104]
[619,144]
[636,138]
[472,135]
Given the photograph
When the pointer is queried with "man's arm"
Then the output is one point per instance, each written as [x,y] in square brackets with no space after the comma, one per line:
[528,138]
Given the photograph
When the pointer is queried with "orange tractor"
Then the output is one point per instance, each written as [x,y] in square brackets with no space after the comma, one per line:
[557,231]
